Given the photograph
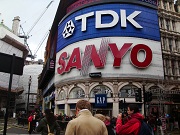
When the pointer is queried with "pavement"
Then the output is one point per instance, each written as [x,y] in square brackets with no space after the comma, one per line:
[14,129]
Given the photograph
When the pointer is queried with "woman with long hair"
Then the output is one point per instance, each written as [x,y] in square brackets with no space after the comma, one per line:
[48,124]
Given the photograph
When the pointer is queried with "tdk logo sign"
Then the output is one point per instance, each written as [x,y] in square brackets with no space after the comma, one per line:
[123,18]
[68,29]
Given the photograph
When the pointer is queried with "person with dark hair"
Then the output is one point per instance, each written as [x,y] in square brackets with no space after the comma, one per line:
[48,123]
[132,126]
[85,123]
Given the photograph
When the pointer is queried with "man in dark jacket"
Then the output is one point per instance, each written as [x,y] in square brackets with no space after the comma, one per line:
[48,120]
[132,126]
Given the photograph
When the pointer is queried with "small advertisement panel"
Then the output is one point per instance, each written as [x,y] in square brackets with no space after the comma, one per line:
[100,100]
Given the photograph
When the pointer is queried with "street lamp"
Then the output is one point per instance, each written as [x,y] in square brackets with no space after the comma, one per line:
[29,82]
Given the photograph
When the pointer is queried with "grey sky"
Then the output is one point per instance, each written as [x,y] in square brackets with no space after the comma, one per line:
[29,11]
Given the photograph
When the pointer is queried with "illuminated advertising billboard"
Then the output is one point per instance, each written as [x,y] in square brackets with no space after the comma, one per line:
[116,39]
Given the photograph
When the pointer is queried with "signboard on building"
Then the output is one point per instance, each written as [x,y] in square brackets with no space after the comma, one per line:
[6,61]
[101,100]
[116,39]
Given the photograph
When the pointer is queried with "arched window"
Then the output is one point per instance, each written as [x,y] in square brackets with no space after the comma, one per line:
[77,92]
[101,89]
[157,93]
[62,95]
[128,91]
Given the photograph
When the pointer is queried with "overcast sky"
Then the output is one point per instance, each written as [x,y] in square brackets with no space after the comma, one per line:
[29,11]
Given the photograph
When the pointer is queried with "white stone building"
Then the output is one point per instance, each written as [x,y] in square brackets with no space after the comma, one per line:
[10,44]
[32,69]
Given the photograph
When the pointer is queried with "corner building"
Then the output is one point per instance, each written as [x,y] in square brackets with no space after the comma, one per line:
[114,48]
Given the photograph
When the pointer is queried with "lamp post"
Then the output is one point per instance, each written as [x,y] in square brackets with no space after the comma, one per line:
[144,99]
[29,82]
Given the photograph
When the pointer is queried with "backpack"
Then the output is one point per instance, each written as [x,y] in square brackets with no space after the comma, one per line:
[145,129]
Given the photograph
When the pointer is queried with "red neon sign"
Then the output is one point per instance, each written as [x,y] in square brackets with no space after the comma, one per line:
[99,60]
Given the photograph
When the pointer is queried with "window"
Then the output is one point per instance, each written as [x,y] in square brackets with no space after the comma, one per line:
[164,43]
[176,44]
[173,67]
[128,91]
[77,92]
[166,67]
[101,89]
[161,23]
[62,95]
[170,45]
[156,91]
[165,5]
[159,3]
[170,6]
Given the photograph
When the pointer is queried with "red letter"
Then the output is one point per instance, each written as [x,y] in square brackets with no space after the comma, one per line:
[148,56]
[62,63]
[118,55]
[95,58]
[74,61]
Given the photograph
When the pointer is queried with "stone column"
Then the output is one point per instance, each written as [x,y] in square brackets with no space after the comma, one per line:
[173,7]
[171,26]
[161,3]
[164,20]
[87,92]
[177,68]
[170,69]
[167,44]
[115,110]
[67,109]
[168,8]
[174,45]
[165,65]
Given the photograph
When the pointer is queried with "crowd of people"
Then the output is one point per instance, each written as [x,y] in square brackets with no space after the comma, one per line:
[84,123]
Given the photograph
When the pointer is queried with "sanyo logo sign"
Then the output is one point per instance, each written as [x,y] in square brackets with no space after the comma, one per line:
[98,15]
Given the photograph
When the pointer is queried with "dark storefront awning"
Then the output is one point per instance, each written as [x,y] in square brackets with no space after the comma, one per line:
[47,73]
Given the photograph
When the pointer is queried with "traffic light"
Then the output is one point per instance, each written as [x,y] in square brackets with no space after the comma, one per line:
[138,95]
[147,96]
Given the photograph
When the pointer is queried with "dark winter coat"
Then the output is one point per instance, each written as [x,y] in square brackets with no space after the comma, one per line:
[42,127]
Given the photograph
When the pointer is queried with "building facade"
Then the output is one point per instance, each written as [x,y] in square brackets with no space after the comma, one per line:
[29,81]
[116,48]
[10,44]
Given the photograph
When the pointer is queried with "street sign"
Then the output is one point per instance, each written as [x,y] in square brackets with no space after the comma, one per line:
[5,64]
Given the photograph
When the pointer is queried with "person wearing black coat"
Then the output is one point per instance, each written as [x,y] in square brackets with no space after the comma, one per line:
[50,120]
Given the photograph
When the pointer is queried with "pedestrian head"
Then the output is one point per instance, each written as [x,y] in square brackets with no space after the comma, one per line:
[132,108]
[100,116]
[49,116]
[82,104]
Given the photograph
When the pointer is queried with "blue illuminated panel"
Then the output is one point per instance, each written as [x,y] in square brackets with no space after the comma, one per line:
[148,19]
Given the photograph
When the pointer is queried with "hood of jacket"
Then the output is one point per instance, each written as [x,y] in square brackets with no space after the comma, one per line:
[137,116]
[84,112]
